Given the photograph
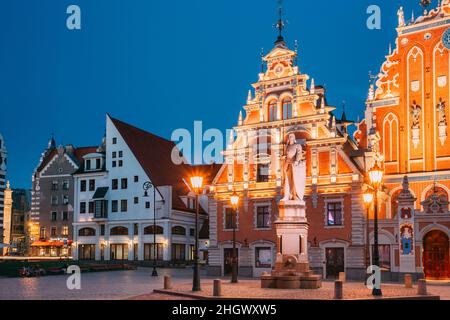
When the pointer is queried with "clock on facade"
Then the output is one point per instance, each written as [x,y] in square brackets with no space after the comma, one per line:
[279,70]
[446,38]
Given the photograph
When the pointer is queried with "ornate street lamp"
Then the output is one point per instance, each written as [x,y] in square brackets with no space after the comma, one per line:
[234,199]
[368,199]
[376,177]
[147,186]
[197,184]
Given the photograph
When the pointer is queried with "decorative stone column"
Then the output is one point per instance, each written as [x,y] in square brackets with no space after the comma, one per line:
[406,230]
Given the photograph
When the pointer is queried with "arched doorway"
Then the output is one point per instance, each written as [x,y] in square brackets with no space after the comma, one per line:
[436,258]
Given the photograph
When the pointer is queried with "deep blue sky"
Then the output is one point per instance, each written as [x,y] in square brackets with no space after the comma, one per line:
[161,64]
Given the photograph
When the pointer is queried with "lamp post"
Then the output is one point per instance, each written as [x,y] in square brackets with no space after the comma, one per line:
[148,185]
[368,199]
[234,199]
[376,176]
[197,183]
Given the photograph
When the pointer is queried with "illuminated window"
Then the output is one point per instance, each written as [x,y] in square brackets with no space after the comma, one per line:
[334,214]
[272,111]
[287,109]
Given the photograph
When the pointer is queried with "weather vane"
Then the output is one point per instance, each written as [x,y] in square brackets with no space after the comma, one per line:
[281,24]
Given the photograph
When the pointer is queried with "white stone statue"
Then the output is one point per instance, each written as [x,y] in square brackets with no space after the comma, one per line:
[441,113]
[401,17]
[294,171]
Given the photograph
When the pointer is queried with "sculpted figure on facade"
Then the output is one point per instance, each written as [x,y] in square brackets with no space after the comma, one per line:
[294,171]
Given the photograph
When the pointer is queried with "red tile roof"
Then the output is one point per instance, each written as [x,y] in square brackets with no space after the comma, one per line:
[154,154]
[77,155]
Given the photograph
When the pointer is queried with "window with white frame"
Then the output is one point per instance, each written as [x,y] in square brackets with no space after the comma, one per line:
[263,217]
[335,215]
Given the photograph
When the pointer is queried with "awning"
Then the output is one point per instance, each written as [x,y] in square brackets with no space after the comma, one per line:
[50,243]
[100,193]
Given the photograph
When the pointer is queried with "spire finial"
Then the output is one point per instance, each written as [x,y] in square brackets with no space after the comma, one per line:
[281,24]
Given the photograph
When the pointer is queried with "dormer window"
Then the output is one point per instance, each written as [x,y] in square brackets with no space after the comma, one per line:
[88,164]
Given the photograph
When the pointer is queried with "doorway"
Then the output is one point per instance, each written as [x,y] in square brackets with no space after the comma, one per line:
[228,260]
[335,262]
[436,259]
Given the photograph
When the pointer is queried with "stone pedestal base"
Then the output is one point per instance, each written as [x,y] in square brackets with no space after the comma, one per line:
[292,266]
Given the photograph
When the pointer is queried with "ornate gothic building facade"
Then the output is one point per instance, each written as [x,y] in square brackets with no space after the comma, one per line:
[404,131]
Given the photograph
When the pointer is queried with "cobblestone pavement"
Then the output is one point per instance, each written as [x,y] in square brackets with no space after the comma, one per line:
[139,285]
[114,285]
[352,290]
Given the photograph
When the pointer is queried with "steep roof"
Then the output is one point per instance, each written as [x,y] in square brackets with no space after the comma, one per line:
[154,154]
[77,155]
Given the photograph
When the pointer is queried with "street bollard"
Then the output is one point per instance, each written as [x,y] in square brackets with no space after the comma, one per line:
[408,281]
[338,290]
[342,276]
[167,283]
[422,287]
[217,288]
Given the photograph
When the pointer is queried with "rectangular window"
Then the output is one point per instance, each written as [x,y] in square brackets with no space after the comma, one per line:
[53,232]
[54,185]
[86,252]
[42,233]
[334,214]
[82,207]
[92,185]
[65,231]
[123,205]
[98,164]
[115,184]
[136,200]
[114,206]
[262,217]
[91,207]
[120,163]
[101,209]
[192,232]
[263,173]
[114,154]
[178,252]
[263,258]
[88,164]
[54,200]
[119,252]
[114,164]
[124,183]
[65,216]
[82,185]
[65,200]
[66,185]
[136,178]
[120,154]
[229,219]
[102,229]
[54,216]
[114,140]
[149,251]
[136,229]
[147,205]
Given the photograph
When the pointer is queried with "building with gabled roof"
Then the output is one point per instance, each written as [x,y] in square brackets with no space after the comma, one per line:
[52,203]
[113,217]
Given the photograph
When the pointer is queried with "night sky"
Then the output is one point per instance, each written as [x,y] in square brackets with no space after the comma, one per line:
[161,65]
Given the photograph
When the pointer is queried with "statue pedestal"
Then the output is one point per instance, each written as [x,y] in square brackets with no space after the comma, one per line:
[292,266]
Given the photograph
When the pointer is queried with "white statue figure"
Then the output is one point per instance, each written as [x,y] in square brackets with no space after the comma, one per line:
[294,171]
[401,17]
[441,112]
[415,114]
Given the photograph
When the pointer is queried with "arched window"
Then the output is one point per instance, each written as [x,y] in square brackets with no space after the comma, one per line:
[390,138]
[179,231]
[149,230]
[119,231]
[86,232]
[287,109]
[272,111]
